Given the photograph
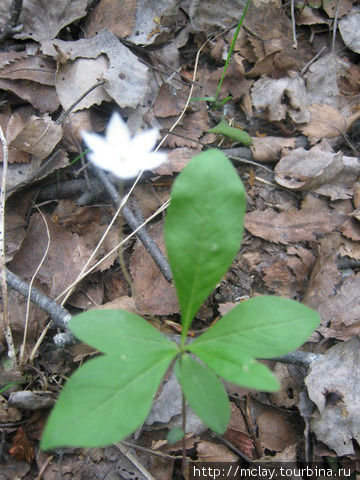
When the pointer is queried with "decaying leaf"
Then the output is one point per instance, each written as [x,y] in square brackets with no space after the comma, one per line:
[349,27]
[333,296]
[270,149]
[153,295]
[276,98]
[308,169]
[333,385]
[126,79]
[325,122]
[214,452]
[291,226]
[43,19]
[66,256]
[322,80]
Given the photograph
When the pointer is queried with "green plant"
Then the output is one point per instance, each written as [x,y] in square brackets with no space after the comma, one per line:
[110,396]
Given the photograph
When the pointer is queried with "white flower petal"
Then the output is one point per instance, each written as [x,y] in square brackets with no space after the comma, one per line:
[154,160]
[144,141]
[117,132]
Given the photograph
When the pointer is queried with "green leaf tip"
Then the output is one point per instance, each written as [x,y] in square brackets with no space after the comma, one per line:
[223,128]
[203,228]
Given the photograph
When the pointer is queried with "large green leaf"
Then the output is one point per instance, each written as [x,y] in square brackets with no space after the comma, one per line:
[120,332]
[204,392]
[104,401]
[234,366]
[203,228]
[263,327]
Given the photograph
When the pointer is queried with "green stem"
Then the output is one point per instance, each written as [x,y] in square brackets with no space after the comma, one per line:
[231,49]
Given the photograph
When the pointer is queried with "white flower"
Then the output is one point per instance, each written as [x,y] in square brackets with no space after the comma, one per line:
[120,154]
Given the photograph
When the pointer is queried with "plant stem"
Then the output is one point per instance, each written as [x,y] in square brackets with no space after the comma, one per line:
[231,49]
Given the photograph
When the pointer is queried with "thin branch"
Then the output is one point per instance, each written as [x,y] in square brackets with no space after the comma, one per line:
[59,315]
[133,223]
[293,23]
[7,326]
[70,109]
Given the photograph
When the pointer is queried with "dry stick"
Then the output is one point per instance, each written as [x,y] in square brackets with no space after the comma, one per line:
[56,312]
[7,327]
[70,109]
[336,17]
[22,348]
[293,24]
[133,223]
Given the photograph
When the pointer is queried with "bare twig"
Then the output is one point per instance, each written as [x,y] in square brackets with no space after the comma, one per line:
[293,22]
[59,315]
[11,27]
[7,326]
[70,109]
[131,220]
[336,17]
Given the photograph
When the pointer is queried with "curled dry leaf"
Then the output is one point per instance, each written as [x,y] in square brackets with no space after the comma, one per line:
[325,122]
[349,27]
[43,19]
[308,169]
[333,385]
[126,78]
[276,98]
[335,298]
[270,149]
[39,136]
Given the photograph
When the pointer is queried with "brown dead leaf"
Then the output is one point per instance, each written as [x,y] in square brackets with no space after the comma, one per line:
[213,452]
[274,99]
[291,226]
[325,122]
[39,136]
[66,256]
[120,303]
[192,127]
[41,97]
[17,306]
[8,414]
[36,68]
[335,298]
[153,295]
[237,433]
[331,7]
[351,229]
[77,122]
[117,17]
[43,20]
[176,160]
[333,385]
[104,57]
[170,101]
[308,169]
[22,448]
[277,429]
[288,395]
[271,149]
[310,16]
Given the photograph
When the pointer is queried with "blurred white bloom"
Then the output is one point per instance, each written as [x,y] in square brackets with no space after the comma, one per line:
[120,154]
